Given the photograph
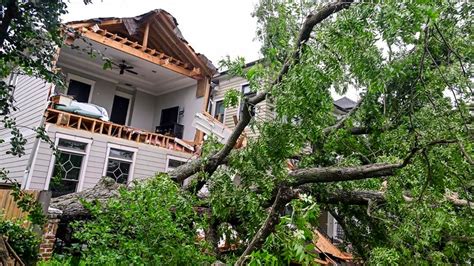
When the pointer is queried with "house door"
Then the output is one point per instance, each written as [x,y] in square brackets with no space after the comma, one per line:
[169,116]
[121,108]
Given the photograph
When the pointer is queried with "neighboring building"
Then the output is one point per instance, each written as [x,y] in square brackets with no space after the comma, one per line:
[155,87]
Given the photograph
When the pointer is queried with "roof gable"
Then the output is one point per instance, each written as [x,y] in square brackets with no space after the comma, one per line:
[156,33]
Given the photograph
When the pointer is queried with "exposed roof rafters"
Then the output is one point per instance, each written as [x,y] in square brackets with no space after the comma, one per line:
[153,36]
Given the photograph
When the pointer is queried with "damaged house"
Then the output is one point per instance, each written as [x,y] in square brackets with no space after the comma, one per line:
[127,120]
[146,111]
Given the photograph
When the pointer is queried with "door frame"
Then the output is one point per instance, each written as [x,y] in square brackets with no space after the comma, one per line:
[127,96]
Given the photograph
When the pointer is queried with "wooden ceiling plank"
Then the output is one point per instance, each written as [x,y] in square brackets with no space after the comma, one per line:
[195,73]
[178,45]
[145,36]
[157,38]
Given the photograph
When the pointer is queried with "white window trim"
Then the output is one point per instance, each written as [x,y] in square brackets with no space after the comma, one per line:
[84,161]
[168,157]
[83,80]
[214,106]
[128,96]
[125,148]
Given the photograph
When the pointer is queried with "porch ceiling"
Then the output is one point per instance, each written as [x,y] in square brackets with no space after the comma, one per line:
[155,32]
[151,78]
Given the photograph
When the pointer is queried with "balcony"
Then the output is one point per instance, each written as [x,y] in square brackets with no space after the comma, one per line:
[97,126]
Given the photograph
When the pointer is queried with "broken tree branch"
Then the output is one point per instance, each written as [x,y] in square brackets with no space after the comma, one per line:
[337,174]
[210,164]
[364,197]
[284,195]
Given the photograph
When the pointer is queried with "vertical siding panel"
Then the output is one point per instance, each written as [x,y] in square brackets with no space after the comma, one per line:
[30,96]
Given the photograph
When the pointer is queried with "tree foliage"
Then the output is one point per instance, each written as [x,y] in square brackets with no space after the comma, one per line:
[152,223]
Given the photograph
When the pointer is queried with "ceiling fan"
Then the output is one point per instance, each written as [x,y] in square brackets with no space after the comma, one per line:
[124,67]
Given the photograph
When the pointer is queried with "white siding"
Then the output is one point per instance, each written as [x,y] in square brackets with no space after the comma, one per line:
[263,110]
[30,96]
[149,159]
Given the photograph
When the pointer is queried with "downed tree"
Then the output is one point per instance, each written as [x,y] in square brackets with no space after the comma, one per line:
[72,206]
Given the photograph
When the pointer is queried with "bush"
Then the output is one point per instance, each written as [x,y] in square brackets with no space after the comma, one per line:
[24,241]
[153,223]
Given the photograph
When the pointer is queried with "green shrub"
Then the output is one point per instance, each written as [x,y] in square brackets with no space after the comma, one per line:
[153,223]
[24,241]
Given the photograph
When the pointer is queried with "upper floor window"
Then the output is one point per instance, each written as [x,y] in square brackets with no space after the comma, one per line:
[247,93]
[80,88]
[120,164]
[219,111]
[174,162]
[68,166]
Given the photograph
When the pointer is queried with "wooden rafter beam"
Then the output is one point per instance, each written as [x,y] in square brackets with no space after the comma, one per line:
[108,22]
[145,36]
[194,74]
[189,54]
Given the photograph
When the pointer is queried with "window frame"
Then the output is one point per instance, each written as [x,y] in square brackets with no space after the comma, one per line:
[124,148]
[87,81]
[239,111]
[214,108]
[86,153]
[168,157]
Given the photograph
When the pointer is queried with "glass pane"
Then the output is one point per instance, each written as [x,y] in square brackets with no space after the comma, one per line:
[118,170]
[68,166]
[62,187]
[246,89]
[174,163]
[220,108]
[72,145]
[116,153]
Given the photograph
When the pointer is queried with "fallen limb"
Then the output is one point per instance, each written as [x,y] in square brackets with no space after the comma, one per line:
[284,196]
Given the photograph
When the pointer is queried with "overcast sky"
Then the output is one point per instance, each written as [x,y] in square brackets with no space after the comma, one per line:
[215,28]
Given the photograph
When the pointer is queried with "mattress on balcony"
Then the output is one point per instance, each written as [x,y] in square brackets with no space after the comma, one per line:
[85,109]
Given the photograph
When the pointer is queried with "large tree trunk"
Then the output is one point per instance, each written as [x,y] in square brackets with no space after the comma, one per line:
[71,204]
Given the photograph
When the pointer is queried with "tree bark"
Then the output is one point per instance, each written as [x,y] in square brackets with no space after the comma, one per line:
[337,174]
[71,204]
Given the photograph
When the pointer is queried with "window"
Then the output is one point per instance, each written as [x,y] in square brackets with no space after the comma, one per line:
[120,161]
[247,93]
[246,90]
[174,162]
[80,88]
[68,166]
[219,111]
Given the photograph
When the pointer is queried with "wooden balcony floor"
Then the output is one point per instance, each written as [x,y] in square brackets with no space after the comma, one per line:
[78,122]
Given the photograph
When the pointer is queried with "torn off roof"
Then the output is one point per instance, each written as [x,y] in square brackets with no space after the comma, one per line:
[163,37]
